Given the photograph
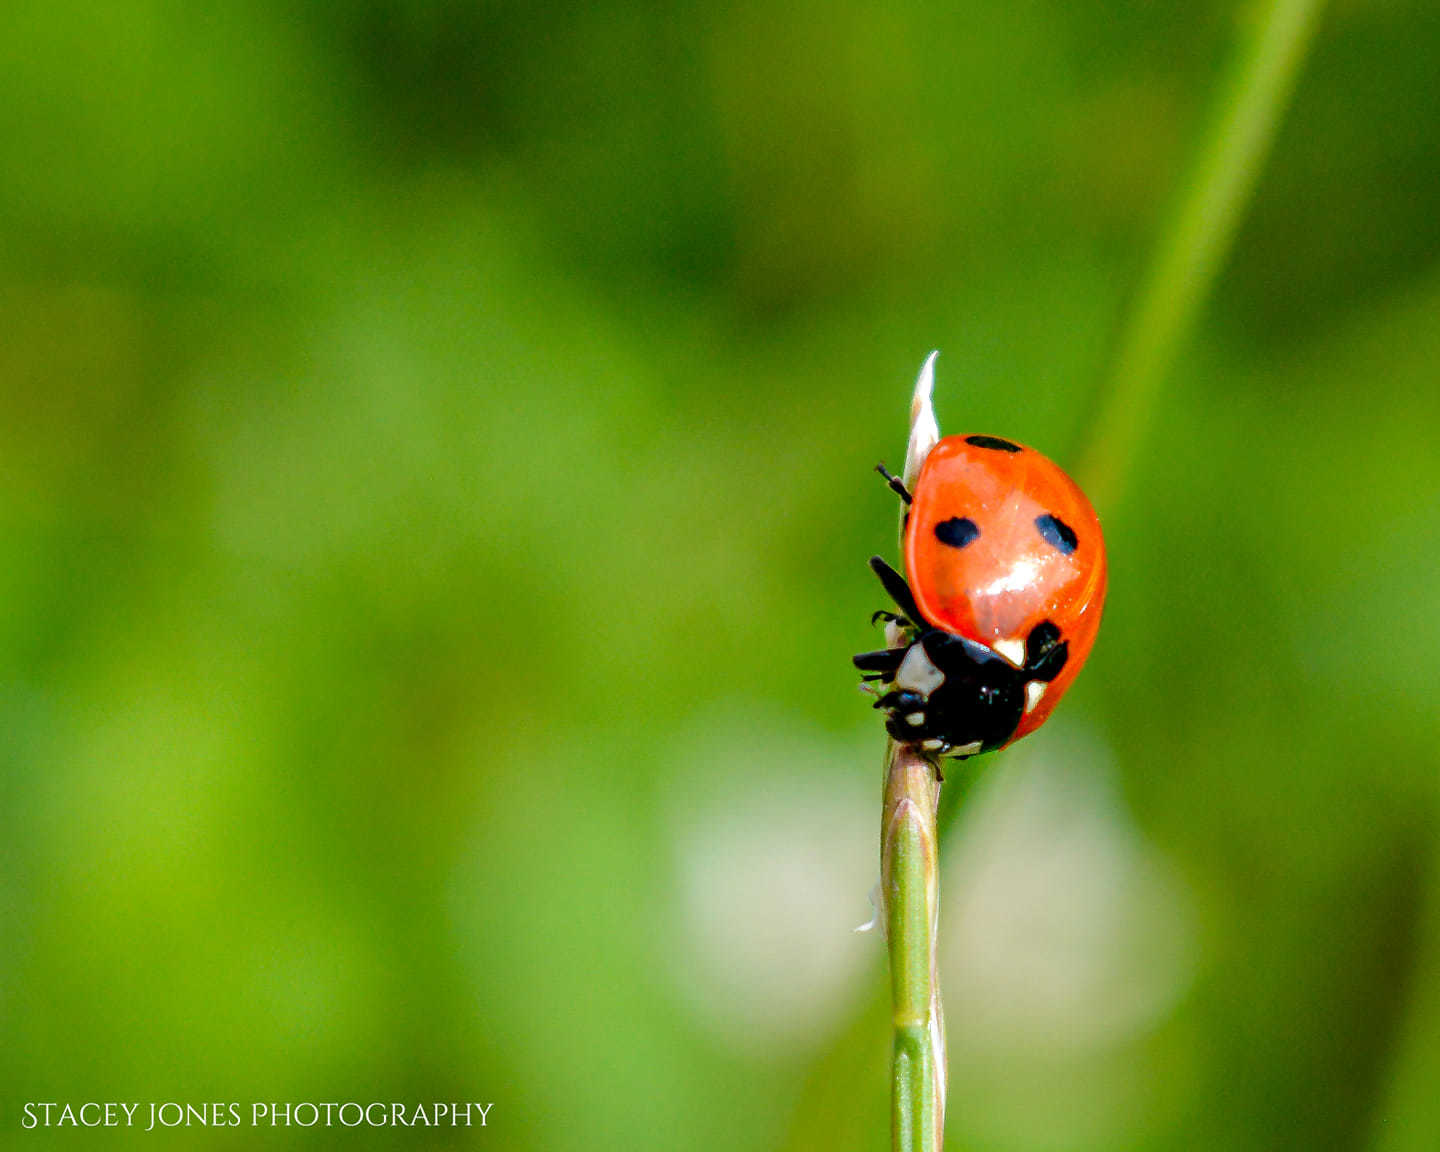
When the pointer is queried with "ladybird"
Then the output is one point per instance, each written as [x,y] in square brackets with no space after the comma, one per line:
[1006,569]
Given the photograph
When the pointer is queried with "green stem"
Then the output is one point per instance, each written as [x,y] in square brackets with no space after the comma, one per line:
[909,878]
[1193,247]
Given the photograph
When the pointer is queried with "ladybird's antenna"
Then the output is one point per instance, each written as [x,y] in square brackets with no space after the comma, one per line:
[894,482]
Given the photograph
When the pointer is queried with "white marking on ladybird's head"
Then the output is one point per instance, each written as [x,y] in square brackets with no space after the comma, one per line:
[1034,693]
[967,749]
[924,430]
[1012,650]
[915,719]
[933,745]
[917,673]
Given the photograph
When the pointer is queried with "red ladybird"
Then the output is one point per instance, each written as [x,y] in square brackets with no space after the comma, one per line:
[1007,583]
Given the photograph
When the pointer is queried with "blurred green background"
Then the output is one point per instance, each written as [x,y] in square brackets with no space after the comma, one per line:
[434,502]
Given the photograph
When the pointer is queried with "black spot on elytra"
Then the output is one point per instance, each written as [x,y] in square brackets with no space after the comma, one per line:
[957,532]
[993,442]
[1045,652]
[1057,533]
[1042,638]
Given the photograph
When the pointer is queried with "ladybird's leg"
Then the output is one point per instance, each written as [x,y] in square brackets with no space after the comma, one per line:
[906,716]
[885,661]
[896,588]
[895,483]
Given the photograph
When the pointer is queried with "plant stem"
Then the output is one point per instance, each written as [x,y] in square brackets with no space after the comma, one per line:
[1194,245]
[909,879]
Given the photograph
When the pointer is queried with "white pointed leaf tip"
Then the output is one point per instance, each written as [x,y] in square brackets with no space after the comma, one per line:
[924,430]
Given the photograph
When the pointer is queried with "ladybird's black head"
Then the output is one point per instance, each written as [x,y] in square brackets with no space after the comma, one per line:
[949,694]
[954,696]
[975,705]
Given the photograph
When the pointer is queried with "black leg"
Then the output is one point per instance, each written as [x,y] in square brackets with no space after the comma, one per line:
[898,590]
[887,660]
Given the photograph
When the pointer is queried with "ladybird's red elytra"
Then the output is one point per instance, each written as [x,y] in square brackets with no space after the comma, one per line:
[1006,584]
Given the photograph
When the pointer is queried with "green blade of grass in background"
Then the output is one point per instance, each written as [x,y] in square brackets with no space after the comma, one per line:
[1273,43]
